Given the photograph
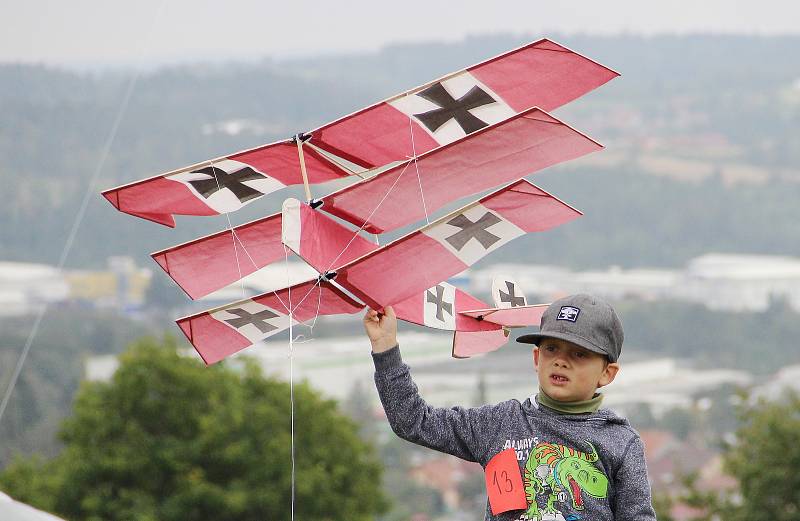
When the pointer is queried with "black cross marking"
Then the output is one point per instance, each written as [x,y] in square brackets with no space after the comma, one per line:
[473,230]
[511,297]
[257,319]
[450,108]
[441,305]
[219,179]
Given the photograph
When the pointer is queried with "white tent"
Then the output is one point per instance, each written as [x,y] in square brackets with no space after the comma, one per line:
[11,510]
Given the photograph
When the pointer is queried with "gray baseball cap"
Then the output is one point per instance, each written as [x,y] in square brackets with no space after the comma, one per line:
[587,321]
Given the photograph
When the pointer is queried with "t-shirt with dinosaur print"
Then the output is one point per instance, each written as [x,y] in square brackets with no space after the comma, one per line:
[587,467]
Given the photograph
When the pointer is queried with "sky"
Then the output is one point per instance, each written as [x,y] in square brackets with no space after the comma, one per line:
[151,32]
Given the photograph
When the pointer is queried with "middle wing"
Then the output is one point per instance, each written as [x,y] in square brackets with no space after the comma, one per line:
[519,146]
[448,246]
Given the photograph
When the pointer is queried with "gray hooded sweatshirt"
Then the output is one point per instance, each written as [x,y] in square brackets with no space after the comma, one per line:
[575,466]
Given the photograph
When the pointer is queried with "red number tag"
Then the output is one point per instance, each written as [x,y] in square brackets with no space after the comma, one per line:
[504,483]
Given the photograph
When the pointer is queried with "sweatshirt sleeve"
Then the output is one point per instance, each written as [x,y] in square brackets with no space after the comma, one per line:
[632,500]
[457,431]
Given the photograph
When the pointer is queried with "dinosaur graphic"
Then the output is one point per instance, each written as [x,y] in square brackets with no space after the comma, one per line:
[561,473]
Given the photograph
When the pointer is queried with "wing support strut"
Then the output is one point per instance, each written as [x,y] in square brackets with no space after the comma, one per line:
[301,138]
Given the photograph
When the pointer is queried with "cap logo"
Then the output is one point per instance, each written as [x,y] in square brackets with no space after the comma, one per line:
[568,313]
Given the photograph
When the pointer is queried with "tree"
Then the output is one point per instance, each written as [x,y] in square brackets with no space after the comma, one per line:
[764,460]
[169,439]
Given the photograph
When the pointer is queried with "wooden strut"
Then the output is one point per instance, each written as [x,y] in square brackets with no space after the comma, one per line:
[299,141]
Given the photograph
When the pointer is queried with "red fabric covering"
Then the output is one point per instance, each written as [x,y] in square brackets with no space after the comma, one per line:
[542,74]
[159,199]
[499,154]
[422,259]
[413,310]
[319,240]
[209,263]
[471,343]
[214,339]
[522,316]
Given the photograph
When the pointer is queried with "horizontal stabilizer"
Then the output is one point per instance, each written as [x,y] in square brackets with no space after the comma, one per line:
[521,316]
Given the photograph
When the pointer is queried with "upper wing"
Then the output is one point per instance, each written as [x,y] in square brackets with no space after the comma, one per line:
[220,185]
[434,253]
[542,74]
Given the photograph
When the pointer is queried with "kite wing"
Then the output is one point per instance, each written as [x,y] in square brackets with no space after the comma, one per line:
[319,240]
[434,253]
[440,307]
[385,202]
[542,74]
[488,158]
[470,343]
[220,332]
[220,185]
[209,263]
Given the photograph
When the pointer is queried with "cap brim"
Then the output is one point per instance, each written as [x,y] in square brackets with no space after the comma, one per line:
[535,338]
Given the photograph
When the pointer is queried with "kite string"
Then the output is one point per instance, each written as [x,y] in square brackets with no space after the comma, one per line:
[90,191]
[366,221]
[385,196]
[233,233]
[291,372]
[416,166]
[355,233]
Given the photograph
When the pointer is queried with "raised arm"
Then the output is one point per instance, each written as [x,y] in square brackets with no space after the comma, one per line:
[458,431]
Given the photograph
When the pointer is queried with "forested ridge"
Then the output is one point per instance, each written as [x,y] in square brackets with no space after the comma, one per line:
[677,94]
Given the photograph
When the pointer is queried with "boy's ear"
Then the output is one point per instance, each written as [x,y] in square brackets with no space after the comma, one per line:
[536,358]
[609,373]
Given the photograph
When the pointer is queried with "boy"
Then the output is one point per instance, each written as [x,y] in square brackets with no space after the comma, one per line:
[578,462]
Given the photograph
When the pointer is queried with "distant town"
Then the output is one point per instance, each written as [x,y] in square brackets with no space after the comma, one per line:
[720,281]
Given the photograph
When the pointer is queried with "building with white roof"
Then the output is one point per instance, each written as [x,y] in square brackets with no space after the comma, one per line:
[25,288]
[741,282]
[719,281]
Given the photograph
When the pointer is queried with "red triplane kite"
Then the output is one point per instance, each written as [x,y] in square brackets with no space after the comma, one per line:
[412,155]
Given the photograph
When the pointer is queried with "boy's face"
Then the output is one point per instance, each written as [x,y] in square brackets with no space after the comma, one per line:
[570,373]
